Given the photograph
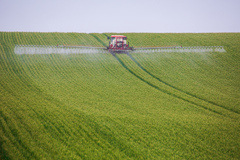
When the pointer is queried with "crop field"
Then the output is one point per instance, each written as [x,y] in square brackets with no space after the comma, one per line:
[104,106]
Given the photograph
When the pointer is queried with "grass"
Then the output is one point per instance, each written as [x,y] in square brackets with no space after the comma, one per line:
[137,106]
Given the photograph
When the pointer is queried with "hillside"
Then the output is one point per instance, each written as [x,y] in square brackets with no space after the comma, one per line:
[137,106]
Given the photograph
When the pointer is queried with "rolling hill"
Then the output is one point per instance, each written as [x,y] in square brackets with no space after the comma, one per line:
[137,106]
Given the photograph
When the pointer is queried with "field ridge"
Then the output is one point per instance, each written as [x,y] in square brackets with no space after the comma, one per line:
[123,106]
[177,88]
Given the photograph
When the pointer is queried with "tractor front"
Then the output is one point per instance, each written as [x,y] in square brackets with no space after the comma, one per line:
[118,44]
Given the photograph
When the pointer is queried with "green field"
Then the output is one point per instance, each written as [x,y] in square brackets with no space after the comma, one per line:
[137,106]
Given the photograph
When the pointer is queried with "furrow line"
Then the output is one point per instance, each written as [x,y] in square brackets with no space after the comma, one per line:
[210,102]
[162,90]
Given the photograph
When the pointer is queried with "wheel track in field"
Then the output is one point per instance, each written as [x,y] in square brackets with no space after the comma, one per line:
[163,90]
[167,84]
[98,39]
[180,90]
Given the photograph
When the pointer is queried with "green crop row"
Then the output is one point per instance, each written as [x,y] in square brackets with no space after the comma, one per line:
[137,106]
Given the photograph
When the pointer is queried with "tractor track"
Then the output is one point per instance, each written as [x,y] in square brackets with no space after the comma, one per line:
[180,90]
[98,39]
[162,90]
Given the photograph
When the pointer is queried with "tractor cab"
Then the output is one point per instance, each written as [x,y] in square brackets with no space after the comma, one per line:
[118,41]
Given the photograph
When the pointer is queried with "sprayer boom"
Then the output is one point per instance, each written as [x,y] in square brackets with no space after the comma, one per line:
[117,44]
[182,49]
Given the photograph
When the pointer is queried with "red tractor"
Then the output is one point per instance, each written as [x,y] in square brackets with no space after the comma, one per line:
[118,44]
